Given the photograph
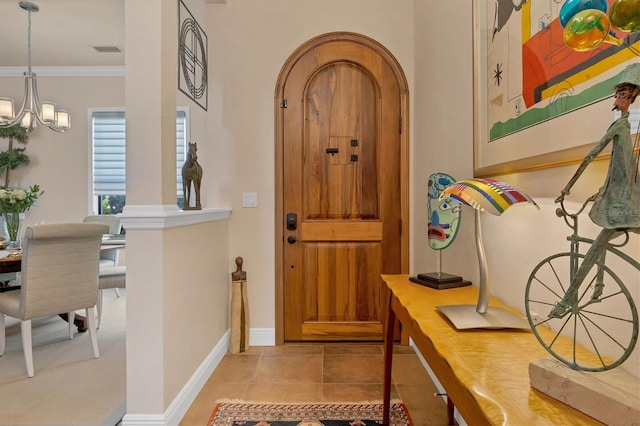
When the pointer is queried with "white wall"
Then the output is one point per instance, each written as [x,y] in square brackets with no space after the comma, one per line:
[249,42]
[60,161]
[442,125]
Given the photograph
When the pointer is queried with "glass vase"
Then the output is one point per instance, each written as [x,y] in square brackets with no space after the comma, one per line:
[12,225]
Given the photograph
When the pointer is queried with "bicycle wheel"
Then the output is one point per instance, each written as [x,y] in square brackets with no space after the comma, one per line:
[604,329]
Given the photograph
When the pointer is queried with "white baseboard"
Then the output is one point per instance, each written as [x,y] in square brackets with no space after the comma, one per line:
[262,337]
[178,408]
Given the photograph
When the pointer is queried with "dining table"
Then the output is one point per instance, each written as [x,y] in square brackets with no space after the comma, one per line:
[11,262]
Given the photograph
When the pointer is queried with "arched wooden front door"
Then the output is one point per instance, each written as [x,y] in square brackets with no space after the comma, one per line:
[342,188]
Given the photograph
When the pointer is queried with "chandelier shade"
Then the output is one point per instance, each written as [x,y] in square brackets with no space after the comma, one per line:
[32,112]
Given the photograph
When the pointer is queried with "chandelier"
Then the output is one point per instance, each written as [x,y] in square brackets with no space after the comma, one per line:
[32,111]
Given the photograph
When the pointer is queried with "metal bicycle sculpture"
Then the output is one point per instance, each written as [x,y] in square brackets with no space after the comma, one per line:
[601,309]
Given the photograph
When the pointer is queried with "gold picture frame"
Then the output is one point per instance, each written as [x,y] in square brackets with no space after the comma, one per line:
[537,103]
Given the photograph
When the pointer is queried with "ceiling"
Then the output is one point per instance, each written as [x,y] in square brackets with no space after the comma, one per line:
[63,33]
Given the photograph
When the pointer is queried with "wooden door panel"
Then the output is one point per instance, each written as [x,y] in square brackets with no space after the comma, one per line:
[340,169]
[342,282]
[341,176]
[341,331]
[341,230]
[342,291]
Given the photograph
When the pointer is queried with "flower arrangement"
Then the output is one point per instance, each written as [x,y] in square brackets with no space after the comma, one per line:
[17,200]
[13,203]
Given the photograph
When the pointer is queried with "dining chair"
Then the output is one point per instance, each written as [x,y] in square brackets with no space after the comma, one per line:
[110,258]
[59,275]
[114,277]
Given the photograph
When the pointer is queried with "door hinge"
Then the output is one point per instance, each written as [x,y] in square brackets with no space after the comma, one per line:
[400,124]
[400,226]
[283,103]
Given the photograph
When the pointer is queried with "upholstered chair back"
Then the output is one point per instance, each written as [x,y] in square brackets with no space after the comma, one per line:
[60,268]
[108,258]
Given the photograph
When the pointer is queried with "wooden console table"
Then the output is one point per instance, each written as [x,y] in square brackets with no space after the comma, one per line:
[484,372]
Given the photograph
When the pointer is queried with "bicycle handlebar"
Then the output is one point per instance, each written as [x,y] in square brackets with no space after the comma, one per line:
[562,211]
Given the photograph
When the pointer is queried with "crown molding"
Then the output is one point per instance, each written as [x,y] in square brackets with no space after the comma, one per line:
[94,71]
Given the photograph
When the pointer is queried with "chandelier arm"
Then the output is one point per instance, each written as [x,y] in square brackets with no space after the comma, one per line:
[10,123]
[38,111]
[31,102]
[17,119]
[35,100]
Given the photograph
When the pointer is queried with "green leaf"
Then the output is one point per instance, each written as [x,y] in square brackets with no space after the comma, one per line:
[16,132]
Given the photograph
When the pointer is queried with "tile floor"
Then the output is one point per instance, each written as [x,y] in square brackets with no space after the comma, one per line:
[320,373]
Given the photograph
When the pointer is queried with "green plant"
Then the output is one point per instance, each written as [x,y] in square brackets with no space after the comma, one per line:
[13,157]
[112,204]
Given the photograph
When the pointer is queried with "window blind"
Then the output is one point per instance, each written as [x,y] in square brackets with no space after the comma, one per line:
[109,151]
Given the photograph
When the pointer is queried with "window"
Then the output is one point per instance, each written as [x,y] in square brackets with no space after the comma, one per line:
[109,159]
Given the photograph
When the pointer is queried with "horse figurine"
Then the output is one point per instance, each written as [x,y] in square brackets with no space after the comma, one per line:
[191,173]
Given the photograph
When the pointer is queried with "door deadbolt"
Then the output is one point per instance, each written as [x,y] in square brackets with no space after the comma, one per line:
[292,221]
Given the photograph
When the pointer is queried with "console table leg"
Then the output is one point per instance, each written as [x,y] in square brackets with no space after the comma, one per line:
[390,325]
[450,408]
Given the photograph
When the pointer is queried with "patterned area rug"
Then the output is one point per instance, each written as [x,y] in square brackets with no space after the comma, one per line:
[245,414]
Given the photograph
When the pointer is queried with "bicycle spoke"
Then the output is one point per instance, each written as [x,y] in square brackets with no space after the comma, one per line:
[575,330]
[543,322]
[559,332]
[600,314]
[593,343]
[541,302]
[550,289]
[586,289]
[557,279]
[613,339]
[612,295]
[600,319]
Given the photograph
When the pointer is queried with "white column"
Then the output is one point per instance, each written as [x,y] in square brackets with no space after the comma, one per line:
[150,100]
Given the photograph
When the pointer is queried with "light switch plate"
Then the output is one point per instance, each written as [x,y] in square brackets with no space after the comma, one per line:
[249,199]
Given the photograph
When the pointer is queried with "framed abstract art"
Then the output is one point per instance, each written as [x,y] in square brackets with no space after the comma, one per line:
[537,102]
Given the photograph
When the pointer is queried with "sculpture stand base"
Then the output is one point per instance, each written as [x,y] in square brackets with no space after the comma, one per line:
[609,396]
[439,280]
[465,317]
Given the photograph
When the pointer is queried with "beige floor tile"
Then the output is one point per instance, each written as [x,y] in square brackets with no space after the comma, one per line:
[289,369]
[235,369]
[320,373]
[403,349]
[292,392]
[407,369]
[353,368]
[293,350]
[353,349]
[202,408]
[346,392]
[253,350]
[424,407]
